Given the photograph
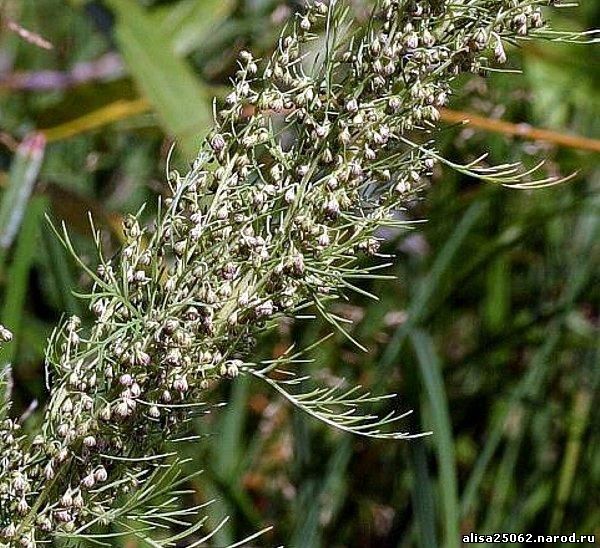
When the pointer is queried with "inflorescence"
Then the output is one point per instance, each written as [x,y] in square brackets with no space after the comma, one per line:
[309,157]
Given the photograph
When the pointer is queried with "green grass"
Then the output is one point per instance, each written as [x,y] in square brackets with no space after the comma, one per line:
[498,293]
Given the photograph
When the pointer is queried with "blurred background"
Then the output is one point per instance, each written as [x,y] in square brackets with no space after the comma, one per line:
[490,329]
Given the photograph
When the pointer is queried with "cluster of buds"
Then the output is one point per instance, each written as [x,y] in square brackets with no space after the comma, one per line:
[303,168]
[15,464]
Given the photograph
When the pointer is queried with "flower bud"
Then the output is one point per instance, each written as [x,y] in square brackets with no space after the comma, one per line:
[66,500]
[217,142]
[5,334]
[100,474]
[89,441]
[305,23]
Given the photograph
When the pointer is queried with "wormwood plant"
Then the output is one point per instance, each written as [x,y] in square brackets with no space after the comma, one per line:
[308,159]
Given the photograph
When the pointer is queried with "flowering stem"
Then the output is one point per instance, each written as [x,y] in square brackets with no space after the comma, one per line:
[523,131]
[303,168]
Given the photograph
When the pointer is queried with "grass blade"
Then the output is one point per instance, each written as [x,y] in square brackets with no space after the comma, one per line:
[431,375]
[421,302]
[180,100]
[188,22]
[18,276]
[579,422]
[23,174]
[422,496]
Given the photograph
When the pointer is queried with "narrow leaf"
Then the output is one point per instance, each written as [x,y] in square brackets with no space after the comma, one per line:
[18,275]
[181,102]
[431,374]
[189,22]
[23,174]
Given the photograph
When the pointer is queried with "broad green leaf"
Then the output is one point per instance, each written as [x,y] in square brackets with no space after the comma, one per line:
[178,97]
[189,22]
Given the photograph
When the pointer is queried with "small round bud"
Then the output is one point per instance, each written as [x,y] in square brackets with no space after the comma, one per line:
[233,368]
[232,319]
[332,207]
[22,507]
[105,413]
[231,99]
[217,142]
[126,379]
[66,500]
[352,106]
[499,53]
[88,481]
[9,531]
[302,171]
[264,309]
[135,390]
[49,471]
[89,441]
[305,23]
[78,501]
[5,335]
[154,412]
[122,409]
[245,56]
[180,384]
[323,240]
[73,379]
[100,474]
[63,516]
[67,406]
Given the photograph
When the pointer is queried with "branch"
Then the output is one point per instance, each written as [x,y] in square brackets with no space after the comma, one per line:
[27,35]
[106,68]
[525,131]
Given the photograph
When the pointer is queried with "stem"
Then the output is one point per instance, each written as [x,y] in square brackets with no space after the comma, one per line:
[524,131]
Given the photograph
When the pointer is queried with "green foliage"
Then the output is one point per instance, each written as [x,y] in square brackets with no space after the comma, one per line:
[489,330]
[181,102]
